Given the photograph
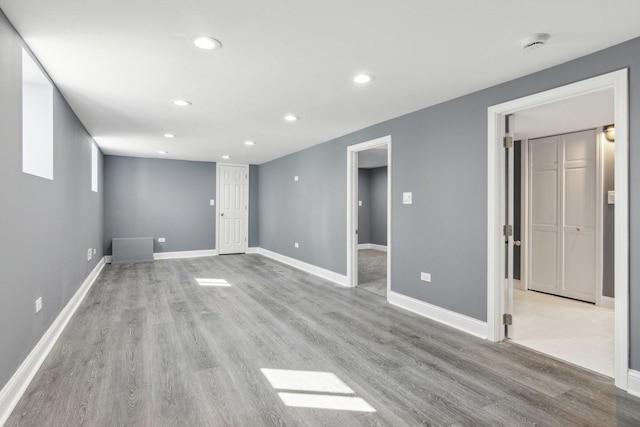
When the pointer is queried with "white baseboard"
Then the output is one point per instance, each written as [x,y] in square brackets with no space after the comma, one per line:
[252,250]
[15,388]
[329,275]
[633,382]
[185,254]
[607,302]
[439,314]
[517,284]
[372,246]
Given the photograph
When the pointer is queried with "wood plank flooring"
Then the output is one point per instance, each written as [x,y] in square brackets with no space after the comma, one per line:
[149,346]
[372,271]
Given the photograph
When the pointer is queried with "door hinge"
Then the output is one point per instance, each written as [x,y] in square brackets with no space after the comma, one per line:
[508,142]
[507,319]
[356,232]
[507,230]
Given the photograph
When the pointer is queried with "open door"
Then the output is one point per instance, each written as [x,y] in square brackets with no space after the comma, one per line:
[508,228]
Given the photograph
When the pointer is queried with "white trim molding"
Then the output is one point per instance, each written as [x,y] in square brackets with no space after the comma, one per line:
[185,254]
[381,248]
[607,302]
[619,83]
[16,386]
[329,275]
[633,382]
[252,250]
[441,315]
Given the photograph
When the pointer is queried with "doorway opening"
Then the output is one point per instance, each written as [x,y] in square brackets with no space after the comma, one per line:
[502,315]
[369,215]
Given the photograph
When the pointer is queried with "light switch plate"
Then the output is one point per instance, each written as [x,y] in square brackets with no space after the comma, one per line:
[425,277]
[38,304]
[295,178]
[407,198]
[296,245]
[359,202]
[161,240]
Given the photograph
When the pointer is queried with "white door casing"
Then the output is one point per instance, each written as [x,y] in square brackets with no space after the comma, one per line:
[232,208]
[619,83]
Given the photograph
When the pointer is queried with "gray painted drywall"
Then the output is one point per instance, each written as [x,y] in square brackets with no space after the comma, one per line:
[379,205]
[47,226]
[608,220]
[254,207]
[160,198]
[364,211]
[445,227]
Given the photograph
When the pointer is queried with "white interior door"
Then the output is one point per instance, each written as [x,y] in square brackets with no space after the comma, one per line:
[232,208]
[562,222]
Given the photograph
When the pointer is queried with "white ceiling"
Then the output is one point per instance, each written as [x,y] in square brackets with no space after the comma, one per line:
[570,115]
[119,63]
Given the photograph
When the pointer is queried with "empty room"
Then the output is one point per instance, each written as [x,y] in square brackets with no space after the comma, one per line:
[319,213]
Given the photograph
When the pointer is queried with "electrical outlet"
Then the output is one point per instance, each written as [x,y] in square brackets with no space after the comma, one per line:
[359,202]
[407,198]
[425,277]
[296,245]
[295,178]
[89,254]
[95,251]
[38,304]
[161,240]
[212,202]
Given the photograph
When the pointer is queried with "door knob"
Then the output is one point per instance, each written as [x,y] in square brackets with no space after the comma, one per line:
[517,242]
[222,214]
[577,228]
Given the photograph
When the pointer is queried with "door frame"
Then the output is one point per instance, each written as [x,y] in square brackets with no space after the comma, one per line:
[618,81]
[352,207]
[217,203]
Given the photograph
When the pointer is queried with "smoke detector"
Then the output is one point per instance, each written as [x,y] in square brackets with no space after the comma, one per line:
[534,41]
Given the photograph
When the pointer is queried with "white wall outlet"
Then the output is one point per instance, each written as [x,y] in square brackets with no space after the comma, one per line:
[212,202]
[95,251]
[296,245]
[295,178]
[407,198]
[425,277]
[161,240]
[359,202]
[38,304]
[89,254]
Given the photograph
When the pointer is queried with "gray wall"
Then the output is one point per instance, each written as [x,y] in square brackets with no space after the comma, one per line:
[379,205]
[608,274]
[364,211]
[160,198]
[445,227]
[254,207]
[47,226]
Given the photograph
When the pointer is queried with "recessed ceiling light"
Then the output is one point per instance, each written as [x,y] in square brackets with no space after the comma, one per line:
[362,79]
[226,157]
[169,135]
[291,118]
[181,103]
[249,143]
[206,42]
[163,152]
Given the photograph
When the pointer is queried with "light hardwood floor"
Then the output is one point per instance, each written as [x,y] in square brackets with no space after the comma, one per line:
[150,346]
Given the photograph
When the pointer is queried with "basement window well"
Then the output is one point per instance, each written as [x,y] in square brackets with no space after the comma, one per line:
[37,120]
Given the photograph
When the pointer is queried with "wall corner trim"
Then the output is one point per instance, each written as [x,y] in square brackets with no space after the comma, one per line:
[450,318]
[633,382]
[185,254]
[18,383]
[329,275]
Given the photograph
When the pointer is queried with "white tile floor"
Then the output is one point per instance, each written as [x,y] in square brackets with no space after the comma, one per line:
[574,331]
